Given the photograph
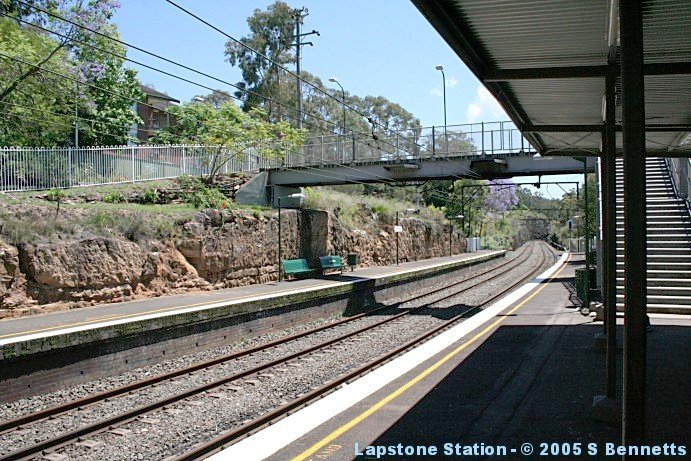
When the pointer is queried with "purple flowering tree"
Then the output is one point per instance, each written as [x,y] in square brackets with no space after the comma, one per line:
[501,195]
[63,18]
[77,66]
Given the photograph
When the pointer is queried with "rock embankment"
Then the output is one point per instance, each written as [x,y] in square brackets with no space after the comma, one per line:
[213,250]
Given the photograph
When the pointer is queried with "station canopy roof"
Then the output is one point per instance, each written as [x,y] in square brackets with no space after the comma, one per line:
[545,62]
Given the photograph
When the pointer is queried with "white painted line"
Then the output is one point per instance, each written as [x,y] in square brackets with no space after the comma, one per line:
[268,441]
[183,310]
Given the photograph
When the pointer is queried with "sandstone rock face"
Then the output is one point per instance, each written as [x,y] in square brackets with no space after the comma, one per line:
[240,249]
[100,270]
[12,281]
[214,250]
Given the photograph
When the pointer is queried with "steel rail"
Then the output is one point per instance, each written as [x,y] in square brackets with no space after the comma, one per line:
[16,423]
[224,440]
[69,437]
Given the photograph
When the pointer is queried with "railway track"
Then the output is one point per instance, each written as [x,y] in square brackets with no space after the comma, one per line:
[106,424]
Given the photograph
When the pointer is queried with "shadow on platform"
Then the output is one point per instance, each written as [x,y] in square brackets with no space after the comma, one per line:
[535,383]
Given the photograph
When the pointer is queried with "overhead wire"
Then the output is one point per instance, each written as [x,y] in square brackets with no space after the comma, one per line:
[187,68]
[213,90]
[76,117]
[390,180]
[50,122]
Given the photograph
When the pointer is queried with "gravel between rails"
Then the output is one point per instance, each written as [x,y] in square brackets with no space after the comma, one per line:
[46,429]
[164,433]
[21,407]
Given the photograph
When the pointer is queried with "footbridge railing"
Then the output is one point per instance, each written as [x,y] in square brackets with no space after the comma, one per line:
[474,139]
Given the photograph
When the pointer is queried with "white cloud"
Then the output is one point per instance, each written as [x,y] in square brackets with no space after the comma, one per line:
[484,108]
[450,83]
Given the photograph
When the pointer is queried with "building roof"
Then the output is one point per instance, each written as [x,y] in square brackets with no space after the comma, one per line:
[147,90]
[546,62]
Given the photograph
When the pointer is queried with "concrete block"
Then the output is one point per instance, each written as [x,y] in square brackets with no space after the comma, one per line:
[606,410]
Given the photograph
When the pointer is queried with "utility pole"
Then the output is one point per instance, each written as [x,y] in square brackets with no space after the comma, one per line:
[299,16]
[76,116]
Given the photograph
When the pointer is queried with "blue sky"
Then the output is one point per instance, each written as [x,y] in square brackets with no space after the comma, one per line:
[374,47]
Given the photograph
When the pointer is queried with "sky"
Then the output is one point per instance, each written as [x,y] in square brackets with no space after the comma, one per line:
[373,47]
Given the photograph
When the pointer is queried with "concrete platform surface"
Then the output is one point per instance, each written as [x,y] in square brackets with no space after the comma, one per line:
[528,381]
[40,326]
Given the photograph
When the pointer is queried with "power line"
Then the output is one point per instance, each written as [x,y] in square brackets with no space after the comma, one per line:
[258,53]
[183,66]
[213,90]
[49,122]
[73,116]
[153,68]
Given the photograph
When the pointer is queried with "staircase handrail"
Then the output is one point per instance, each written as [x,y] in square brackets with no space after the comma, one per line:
[678,175]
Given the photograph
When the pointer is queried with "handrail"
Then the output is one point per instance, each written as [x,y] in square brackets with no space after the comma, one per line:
[681,182]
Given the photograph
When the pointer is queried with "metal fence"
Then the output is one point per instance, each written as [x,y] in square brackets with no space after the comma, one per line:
[488,138]
[25,168]
[32,168]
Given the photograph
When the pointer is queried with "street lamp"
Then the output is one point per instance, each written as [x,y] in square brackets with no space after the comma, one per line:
[335,80]
[397,229]
[443,80]
[298,196]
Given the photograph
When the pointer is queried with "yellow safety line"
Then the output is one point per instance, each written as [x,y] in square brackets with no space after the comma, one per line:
[184,306]
[376,407]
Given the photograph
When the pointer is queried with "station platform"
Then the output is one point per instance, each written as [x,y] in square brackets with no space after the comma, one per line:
[525,376]
[113,314]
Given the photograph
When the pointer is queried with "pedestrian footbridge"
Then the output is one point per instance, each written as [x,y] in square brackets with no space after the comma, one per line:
[485,150]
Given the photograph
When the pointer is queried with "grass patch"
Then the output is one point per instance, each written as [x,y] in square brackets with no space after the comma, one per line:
[365,211]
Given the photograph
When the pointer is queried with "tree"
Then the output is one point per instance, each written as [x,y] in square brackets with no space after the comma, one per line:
[34,113]
[271,33]
[108,93]
[94,15]
[226,132]
[215,98]
[501,195]
[62,68]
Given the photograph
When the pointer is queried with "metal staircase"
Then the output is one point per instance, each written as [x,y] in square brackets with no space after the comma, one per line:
[669,242]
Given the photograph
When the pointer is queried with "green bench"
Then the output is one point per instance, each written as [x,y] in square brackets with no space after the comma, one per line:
[331,262]
[296,267]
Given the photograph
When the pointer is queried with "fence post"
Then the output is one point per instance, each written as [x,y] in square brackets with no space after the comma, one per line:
[434,143]
[322,149]
[69,167]
[482,124]
[353,147]
[184,160]
[132,152]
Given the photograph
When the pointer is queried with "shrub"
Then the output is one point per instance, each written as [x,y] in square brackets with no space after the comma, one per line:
[114,197]
[207,198]
[56,195]
[101,220]
[150,197]
[189,183]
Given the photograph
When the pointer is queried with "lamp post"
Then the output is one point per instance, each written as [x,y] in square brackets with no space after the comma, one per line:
[299,196]
[397,229]
[335,80]
[443,80]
